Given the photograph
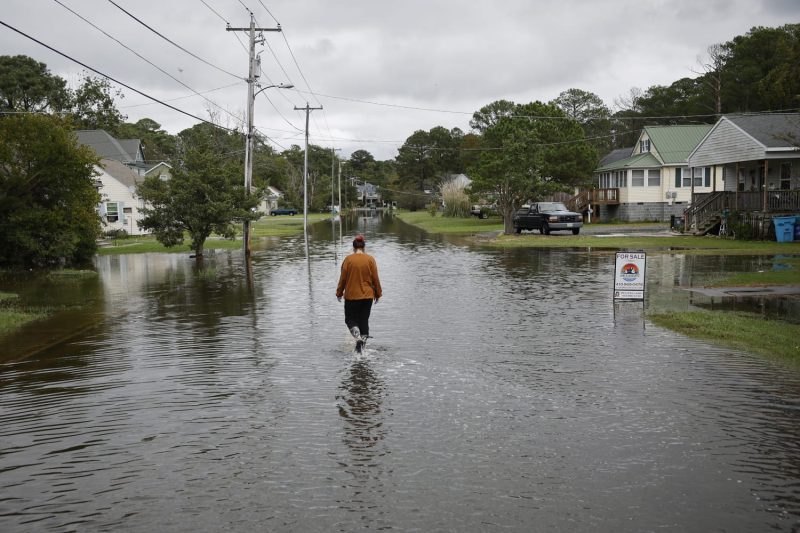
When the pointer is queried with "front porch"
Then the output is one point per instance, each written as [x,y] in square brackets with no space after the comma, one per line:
[708,209]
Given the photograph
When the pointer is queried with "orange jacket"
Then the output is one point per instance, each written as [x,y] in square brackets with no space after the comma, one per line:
[359,278]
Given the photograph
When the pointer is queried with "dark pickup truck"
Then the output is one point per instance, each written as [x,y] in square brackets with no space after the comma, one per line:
[547,217]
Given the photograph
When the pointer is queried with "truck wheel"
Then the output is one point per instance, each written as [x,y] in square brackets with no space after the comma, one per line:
[575,231]
[517,230]
[484,215]
[545,229]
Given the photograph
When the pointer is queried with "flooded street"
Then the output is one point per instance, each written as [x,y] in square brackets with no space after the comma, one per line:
[502,392]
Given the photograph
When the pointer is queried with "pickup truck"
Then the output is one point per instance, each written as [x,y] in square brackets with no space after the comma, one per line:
[547,217]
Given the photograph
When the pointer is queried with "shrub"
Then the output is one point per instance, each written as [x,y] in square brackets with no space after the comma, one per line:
[456,201]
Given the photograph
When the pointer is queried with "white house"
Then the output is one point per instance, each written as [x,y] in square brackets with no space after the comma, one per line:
[270,200]
[655,181]
[119,207]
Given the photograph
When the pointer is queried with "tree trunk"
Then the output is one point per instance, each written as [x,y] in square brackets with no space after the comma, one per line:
[508,220]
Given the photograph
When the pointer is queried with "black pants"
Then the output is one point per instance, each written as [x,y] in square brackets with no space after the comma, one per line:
[356,313]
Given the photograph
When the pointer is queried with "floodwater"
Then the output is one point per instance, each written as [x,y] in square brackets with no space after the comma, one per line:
[503,391]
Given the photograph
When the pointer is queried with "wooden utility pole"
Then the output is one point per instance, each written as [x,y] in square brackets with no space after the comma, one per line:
[308,111]
[252,76]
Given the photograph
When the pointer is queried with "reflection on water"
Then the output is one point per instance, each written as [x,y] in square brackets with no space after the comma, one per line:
[502,390]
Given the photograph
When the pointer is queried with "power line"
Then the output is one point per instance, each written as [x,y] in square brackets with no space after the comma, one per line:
[137,91]
[137,54]
[268,11]
[215,12]
[183,97]
[173,43]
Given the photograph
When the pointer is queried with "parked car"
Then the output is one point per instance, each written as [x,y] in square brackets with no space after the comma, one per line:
[547,217]
[283,211]
[483,211]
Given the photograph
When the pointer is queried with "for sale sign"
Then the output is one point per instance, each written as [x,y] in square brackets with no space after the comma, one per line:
[629,271]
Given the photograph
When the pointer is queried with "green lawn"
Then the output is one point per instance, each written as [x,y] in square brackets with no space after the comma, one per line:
[678,244]
[772,338]
[12,316]
[440,224]
[266,227]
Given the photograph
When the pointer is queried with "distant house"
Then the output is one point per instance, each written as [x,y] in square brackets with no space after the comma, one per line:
[653,180]
[162,170]
[368,194]
[270,200]
[122,168]
[119,207]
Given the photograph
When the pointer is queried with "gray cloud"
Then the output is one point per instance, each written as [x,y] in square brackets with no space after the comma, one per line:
[444,55]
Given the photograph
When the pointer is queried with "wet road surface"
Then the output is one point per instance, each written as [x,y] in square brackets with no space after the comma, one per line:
[502,392]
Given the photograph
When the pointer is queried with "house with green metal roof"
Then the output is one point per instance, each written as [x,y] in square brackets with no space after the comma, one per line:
[655,181]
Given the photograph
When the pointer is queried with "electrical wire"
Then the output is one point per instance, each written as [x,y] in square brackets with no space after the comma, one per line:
[137,91]
[137,54]
[184,97]
[173,43]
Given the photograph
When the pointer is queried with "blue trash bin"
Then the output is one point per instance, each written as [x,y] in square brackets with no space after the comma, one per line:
[784,229]
[797,228]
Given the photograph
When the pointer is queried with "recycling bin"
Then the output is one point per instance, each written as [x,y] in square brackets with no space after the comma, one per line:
[784,229]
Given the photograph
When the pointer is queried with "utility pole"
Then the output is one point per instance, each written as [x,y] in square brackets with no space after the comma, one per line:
[308,111]
[333,162]
[252,76]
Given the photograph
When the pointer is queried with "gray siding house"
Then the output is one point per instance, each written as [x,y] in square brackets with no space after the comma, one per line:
[760,154]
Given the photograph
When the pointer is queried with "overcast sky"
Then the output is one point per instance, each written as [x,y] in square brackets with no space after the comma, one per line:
[381,70]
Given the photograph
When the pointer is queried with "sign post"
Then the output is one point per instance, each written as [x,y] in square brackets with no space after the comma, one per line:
[629,275]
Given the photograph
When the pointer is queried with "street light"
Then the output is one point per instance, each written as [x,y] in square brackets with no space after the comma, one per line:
[248,154]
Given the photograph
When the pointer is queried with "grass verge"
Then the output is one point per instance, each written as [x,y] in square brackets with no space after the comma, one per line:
[440,224]
[12,316]
[678,244]
[278,226]
[771,338]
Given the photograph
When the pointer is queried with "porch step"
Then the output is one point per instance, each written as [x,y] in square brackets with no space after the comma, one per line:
[707,227]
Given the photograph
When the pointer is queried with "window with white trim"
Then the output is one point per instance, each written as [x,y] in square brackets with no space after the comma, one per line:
[621,178]
[644,146]
[637,178]
[654,177]
[112,211]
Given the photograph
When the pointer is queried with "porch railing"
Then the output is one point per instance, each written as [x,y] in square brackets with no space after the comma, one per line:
[584,199]
[708,206]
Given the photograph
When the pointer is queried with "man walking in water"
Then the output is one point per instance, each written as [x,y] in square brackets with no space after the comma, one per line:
[360,286]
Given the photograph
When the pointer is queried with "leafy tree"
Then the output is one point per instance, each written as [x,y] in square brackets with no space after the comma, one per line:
[591,113]
[489,115]
[528,153]
[27,85]
[48,197]
[428,156]
[761,71]
[362,162]
[93,105]
[319,176]
[158,144]
[205,195]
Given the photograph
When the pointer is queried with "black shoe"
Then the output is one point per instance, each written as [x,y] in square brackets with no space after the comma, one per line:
[360,345]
